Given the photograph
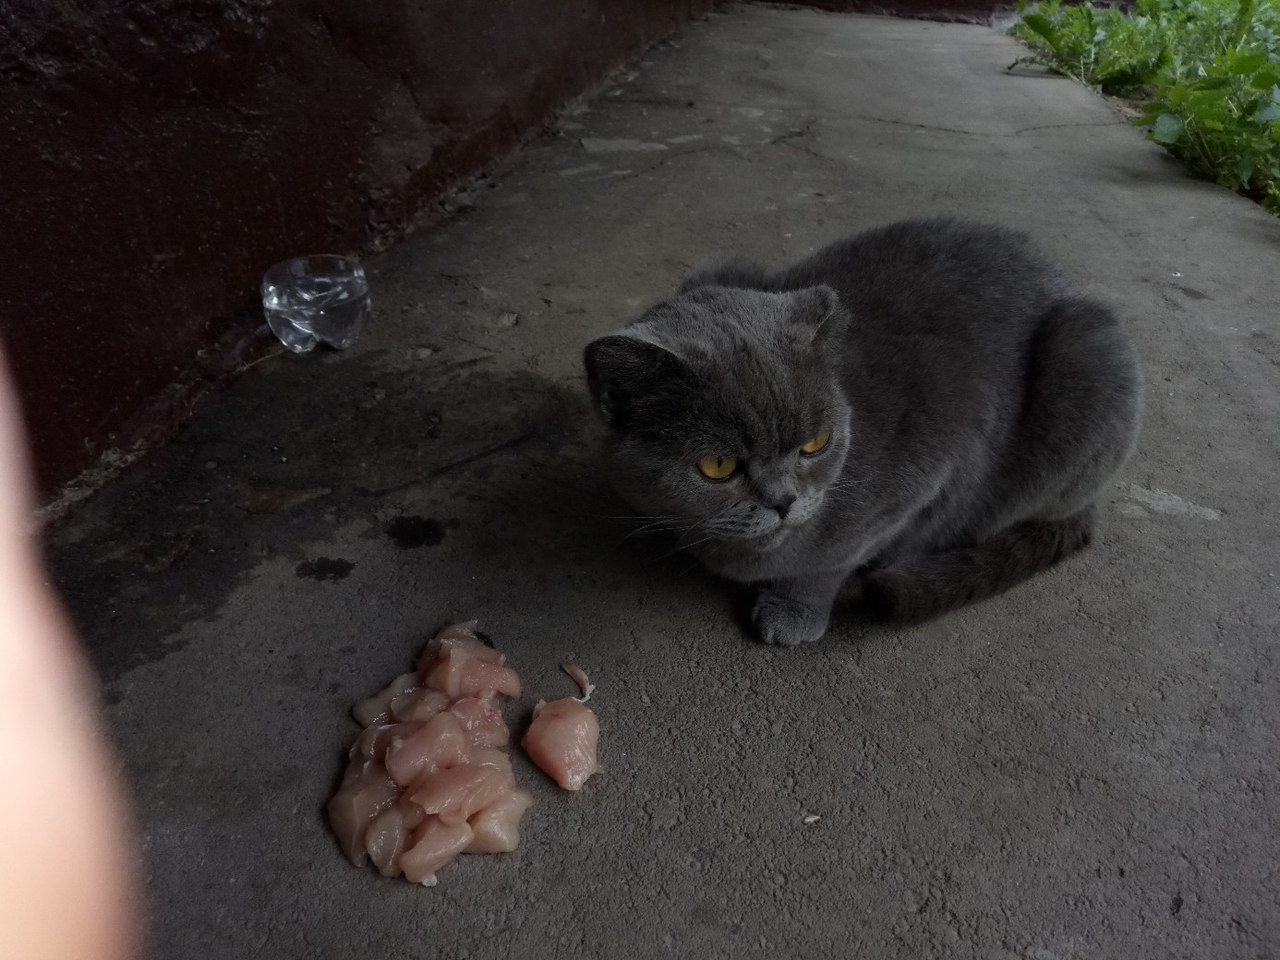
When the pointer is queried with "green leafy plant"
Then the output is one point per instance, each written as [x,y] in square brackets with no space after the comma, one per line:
[1225,122]
[1099,46]
[1210,71]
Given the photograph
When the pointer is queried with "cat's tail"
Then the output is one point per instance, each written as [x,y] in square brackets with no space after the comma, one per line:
[923,588]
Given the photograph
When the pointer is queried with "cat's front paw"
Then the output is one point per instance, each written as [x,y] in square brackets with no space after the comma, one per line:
[787,622]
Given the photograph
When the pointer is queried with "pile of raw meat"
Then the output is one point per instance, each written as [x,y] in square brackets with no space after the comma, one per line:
[429,779]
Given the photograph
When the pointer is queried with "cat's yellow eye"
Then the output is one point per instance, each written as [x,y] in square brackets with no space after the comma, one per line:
[717,468]
[816,444]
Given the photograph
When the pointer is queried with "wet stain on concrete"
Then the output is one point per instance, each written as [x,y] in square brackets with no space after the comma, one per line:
[409,533]
[325,568]
[167,542]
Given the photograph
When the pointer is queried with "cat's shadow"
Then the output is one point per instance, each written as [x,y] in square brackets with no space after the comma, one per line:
[562,491]
[555,500]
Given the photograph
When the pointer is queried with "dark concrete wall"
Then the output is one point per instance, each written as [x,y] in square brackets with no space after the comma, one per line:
[157,155]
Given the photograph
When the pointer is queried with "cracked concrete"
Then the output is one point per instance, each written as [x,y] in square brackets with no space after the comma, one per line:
[1084,768]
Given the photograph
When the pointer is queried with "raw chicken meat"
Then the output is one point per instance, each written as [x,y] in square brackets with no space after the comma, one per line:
[461,675]
[460,639]
[376,708]
[435,843]
[496,828]
[492,757]
[426,779]
[459,793]
[579,676]
[562,741]
[375,740]
[482,720]
[440,742]
[365,793]
[388,836]
[420,703]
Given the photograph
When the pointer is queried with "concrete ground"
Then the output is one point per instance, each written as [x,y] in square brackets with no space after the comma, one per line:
[1086,767]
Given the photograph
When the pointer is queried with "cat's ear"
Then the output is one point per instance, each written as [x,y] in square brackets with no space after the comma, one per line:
[815,313]
[621,369]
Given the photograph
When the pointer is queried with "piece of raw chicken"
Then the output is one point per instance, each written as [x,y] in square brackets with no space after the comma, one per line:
[562,741]
[426,780]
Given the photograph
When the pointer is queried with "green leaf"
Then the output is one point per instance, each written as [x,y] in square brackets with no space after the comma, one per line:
[1265,78]
[1244,19]
[1210,83]
[1206,108]
[1039,23]
[1168,129]
[1152,109]
[1244,170]
[1246,62]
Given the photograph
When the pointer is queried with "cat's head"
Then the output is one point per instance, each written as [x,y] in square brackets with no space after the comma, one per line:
[725,409]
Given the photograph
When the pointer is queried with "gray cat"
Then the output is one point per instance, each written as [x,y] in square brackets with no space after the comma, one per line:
[922,415]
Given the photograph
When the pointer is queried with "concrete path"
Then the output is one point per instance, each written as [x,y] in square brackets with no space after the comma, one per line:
[1084,768]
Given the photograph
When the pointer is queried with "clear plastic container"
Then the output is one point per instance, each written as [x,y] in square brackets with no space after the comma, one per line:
[316,299]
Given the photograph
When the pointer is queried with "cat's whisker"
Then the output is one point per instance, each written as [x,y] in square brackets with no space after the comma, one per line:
[659,521]
[629,516]
[689,567]
[674,524]
[655,525]
[850,484]
[683,546]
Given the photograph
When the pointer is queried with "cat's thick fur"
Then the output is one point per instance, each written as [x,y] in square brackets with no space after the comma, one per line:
[976,406]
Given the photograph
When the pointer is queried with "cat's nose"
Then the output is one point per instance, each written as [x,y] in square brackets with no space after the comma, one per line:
[783,505]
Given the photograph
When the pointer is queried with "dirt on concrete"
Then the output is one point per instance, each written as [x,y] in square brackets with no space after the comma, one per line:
[1083,768]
